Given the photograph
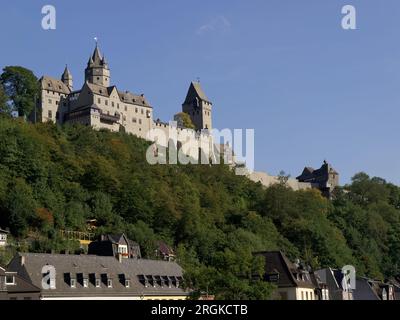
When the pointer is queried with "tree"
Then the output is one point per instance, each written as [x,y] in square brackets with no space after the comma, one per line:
[184,120]
[3,99]
[21,85]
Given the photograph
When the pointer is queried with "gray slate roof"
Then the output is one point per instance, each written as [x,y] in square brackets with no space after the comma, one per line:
[89,264]
[52,84]
[195,91]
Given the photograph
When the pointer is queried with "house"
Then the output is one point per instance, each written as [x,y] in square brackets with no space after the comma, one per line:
[338,289]
[367,289]
[294,281]
[89,277]
[164,252]
[14,287]
[3,237]
[115,246]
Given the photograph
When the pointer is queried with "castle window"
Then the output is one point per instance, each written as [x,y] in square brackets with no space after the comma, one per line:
[99,100]
[142,111]
[134,120]
[106,102]
[112,104]
[98,78]
[136,110]
[101,91]
[140,121]
[117,105]
[50,114]
[57,103]
[126,108]
[50,101]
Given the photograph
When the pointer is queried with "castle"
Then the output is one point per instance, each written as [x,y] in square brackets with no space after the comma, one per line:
[102,106]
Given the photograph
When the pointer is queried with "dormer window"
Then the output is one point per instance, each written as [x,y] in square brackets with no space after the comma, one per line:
[85,283]
[72,283]
[127,283]
[10,280]
[97,283]
[109,283]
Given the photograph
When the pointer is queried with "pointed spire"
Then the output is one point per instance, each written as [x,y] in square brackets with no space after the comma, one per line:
[104,61]
[97,55]
[67,74]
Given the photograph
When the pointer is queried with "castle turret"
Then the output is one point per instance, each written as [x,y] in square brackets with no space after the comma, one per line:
[66,78]
[198,107]
[97,71]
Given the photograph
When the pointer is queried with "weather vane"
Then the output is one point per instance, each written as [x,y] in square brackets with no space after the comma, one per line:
[96,39]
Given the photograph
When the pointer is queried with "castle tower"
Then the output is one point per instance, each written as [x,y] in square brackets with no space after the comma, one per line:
[67,78]
[97,71]
[198,107]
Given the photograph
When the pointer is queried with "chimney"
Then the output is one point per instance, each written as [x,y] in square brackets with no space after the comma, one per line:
[22,260]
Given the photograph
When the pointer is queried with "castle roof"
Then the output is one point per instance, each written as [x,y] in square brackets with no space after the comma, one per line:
[67,74]
[52,84]
[195,91]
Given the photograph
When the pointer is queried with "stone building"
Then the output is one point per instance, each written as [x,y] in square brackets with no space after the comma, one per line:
[103,106]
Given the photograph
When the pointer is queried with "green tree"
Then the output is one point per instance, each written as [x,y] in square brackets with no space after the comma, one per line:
[184,119]
[21,85]
[3,100]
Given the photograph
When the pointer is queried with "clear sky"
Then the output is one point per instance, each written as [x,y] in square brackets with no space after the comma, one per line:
[311,90]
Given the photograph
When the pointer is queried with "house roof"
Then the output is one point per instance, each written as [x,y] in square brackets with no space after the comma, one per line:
[277,262]
[89,264]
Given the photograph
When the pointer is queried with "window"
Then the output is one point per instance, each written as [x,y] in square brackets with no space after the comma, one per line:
[302,295]
[99,100]
[98,78]
[112,104]
[140,121]
[126,108]
[50,101]
[136,110]
[142,111]
[109,283]
[106,102]
[127,283]
[73,283]
[50,114]
[122,249]
[134,120]
[117,105]
[57,103]
[10,280]
[97,283]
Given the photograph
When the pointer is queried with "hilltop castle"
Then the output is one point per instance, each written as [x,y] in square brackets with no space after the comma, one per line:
[101,105]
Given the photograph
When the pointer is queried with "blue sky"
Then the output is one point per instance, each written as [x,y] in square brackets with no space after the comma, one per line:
[311,90]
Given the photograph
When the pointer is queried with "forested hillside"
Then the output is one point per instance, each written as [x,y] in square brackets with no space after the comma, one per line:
[54,178]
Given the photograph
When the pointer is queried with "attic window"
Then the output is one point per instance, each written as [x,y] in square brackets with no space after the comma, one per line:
[109,283]
[72,283]
[10,280]
[127,283]
[85,283]
[49,84]
[101,91]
